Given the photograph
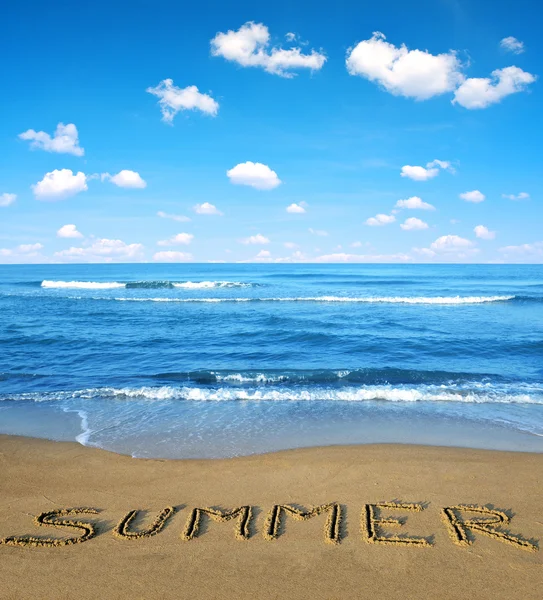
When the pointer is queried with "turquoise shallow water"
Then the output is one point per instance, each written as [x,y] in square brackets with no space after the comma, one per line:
[219,360]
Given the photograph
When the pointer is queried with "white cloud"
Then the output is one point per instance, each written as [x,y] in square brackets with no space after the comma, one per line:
[521,196]
[173,99]
[448,248]
[319,232]
[361,258]
[26,248]
[264,254]
[249,46]
[102,250]
[480,92]
[450,243]
[172,256]
[180,238]
[25,253]
[255,239]
[482,232]
[7,199]
[69,231]
[179,218]
[414,203]
[60,184]
[380,219]
[512,45]
[413,223]
[207,209]
[64,141]
[426,252]
[473,196]
[255,175]
[402,72]
[290,245]
[295,208]
[356,245]
[423,174]
[534,250]
[125,179]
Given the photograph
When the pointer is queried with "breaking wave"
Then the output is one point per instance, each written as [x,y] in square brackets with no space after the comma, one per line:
[521,393]
[98,285]
[346,299]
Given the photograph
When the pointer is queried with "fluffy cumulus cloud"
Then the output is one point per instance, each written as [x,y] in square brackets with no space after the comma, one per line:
[250,46]
[125,179]
[69,231]
[414,203]
[482,232]
[341,257]
[418,173]
[7,199]
[521,196]
[179,239]
[480,92]
[511,44]
[256,175]
[319,232]
[295,208]
[170,256]
[450,243]
[263,254]
[65,140]
[524,251]
[102,250]
[29,248]
[173,99]
[412,224]
[411,73]
[448,247]
[255,239]
[474,196]
[207,209]
[59,184]
[178,218]
[22,254]
[380,219]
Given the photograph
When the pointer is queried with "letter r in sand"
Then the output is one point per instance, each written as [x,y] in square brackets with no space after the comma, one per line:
[488,518]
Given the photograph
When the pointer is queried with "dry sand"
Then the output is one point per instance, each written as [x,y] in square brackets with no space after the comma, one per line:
[38,476]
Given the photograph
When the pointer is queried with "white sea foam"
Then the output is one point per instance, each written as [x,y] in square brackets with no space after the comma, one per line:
[84,285]
[530,395]
[256,378]
[105,285]
[197,285]
[362,300]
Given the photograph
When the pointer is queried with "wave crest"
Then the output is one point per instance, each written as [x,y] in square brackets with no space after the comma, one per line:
[345,299]
[478,394]
[153,285]
[88,285]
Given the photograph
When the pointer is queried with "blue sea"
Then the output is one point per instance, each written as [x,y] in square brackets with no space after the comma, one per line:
[212,360]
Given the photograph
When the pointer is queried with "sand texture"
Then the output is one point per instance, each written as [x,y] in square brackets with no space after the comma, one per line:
[334,523]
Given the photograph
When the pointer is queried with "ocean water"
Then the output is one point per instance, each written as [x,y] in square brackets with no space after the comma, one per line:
[221,360]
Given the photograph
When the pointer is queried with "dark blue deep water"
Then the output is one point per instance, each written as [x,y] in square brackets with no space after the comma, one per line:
[219,360]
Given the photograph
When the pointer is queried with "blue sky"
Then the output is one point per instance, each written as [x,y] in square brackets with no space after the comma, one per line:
[299,106]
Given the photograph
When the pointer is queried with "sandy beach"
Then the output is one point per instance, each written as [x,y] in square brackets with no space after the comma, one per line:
[273,548]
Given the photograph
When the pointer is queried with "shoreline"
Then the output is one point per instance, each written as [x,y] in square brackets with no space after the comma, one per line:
[193,552]
[316,447]
[254,432]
